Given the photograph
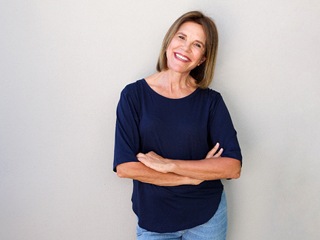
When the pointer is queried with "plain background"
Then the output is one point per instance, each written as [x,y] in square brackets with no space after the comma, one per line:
[63,65]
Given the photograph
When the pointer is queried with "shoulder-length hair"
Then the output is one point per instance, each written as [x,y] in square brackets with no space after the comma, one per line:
[203,74]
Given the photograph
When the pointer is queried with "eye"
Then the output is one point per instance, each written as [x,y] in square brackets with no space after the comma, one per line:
[181,37]
[198,45]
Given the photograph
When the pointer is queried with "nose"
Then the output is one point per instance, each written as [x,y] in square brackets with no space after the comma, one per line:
[186,46]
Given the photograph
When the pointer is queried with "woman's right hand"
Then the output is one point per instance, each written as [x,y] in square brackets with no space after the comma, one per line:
[214,153]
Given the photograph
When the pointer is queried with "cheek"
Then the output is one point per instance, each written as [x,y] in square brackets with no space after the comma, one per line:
[169,48]
[169,51]
[173,44]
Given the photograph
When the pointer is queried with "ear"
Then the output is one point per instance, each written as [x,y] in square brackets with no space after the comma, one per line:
[203,59]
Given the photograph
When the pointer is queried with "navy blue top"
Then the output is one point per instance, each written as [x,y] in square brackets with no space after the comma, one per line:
[185,128]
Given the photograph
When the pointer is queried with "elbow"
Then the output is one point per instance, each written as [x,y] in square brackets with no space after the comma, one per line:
[126,170]
[234,175]
[235,172]
[121,172]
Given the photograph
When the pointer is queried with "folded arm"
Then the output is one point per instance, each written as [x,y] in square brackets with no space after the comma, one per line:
[208,169]
[211,168]
[142,173]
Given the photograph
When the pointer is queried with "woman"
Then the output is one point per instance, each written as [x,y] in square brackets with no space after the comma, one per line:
[176,140]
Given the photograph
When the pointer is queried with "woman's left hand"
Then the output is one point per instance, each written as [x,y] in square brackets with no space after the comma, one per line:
[215,152]
[155,162]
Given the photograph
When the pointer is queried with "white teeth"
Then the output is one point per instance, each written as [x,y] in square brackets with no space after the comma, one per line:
[181,57]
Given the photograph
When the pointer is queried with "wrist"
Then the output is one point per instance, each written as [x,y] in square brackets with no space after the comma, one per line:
[193,181]
[171,165]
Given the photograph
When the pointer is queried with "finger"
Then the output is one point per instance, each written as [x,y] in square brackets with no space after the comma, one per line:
[154,156]
[213,150]
[141,157]
[151,154]
[218,154]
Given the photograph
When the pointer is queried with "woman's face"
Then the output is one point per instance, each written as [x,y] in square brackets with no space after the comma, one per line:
[187,47]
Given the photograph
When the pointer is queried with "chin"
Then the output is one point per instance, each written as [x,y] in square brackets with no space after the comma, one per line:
[180,69]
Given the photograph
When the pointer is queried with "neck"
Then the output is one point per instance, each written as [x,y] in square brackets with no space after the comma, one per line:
[171,84]
[174,80]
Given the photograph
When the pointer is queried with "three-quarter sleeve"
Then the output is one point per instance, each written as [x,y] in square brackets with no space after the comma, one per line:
[221,129]
[127,140]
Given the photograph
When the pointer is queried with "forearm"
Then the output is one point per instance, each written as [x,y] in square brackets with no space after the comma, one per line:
[207,169]
[138,171]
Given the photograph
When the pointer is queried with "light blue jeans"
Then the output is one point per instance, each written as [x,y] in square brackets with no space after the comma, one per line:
[214,229]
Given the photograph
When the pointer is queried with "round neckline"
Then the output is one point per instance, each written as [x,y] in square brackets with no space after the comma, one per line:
[173,99]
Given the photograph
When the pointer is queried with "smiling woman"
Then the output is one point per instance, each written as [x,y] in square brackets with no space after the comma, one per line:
[176,140]
[187,48]
[203,74]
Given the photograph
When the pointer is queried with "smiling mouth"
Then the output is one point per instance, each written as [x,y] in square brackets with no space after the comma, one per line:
[181,57]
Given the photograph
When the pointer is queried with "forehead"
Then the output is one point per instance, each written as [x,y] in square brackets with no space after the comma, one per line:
[194,30]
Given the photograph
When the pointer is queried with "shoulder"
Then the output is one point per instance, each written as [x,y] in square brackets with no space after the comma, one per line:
[214,100]
[133,87]
[133,90]
[211,94]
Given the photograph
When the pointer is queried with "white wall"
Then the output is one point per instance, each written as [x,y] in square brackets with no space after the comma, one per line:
[62,67]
